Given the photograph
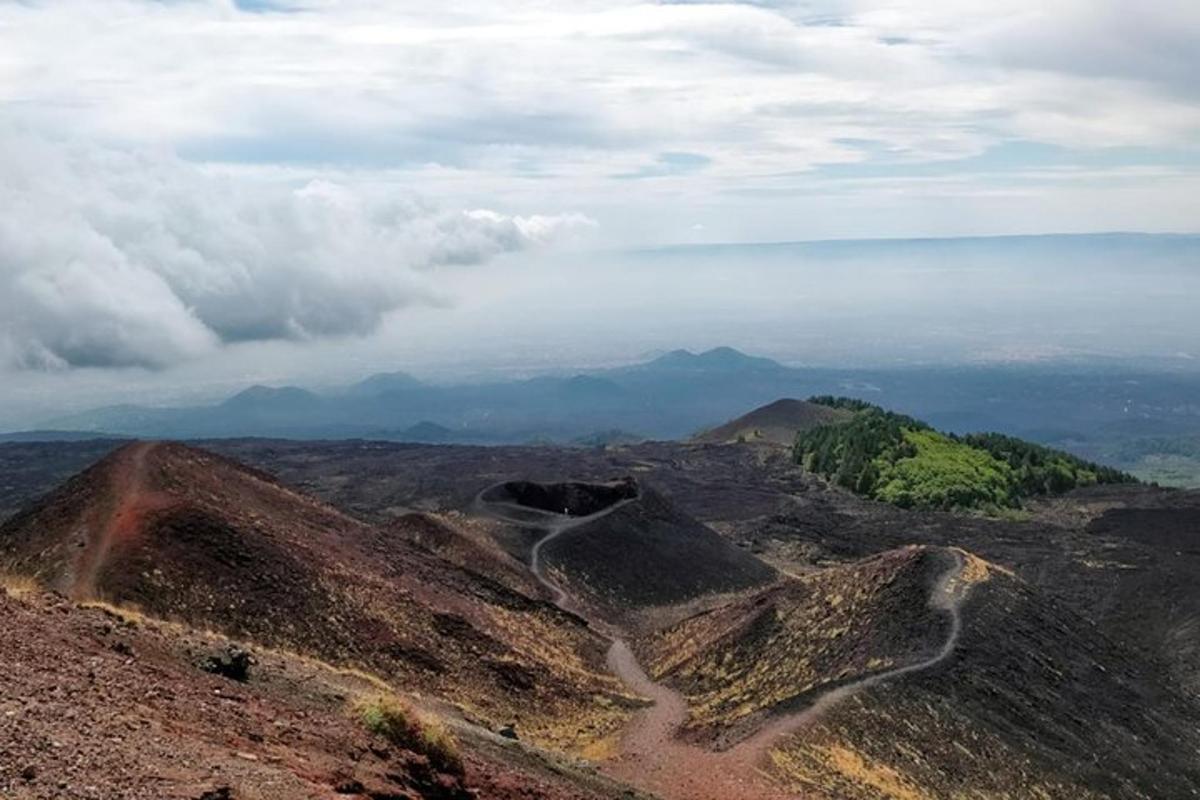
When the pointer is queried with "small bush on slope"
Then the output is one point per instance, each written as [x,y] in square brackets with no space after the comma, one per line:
[390,717]
[18,586]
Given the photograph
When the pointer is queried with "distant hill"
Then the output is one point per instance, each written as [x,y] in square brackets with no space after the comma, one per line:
[384,383]
[719,358]
[901,460]
[775,423]
[608,438]
[268,398]
[428,432]
[669,397]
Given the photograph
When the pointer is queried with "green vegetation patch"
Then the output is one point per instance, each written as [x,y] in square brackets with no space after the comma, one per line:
[943,473]
[901,460]
[1041,470]
[390,717]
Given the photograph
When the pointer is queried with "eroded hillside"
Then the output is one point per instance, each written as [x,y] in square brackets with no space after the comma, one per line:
[184,535]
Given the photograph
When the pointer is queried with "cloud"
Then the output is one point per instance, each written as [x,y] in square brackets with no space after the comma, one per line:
[531,101]
[116,258]
[669,164]
[598,89]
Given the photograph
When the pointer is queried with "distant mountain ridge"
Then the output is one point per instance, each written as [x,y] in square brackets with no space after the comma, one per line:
[668,397]
[725,358]
[384,383]
[1087,409]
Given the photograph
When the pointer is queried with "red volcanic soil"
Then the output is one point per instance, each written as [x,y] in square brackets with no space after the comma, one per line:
[651,757]
[133,504]
[185,535]
[96,706]
[92,706]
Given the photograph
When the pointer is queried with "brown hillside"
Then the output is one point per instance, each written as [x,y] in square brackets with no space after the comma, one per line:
[97,705]
[1031,700]
[779,650]
[467,543]
[775,423]
[185,535]
[635,550]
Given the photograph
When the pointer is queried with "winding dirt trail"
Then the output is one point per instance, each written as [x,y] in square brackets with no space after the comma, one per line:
[553,525]
[947,595]
[132,502]
[650,756]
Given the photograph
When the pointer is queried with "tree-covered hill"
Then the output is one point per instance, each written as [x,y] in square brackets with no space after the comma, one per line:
[901,460]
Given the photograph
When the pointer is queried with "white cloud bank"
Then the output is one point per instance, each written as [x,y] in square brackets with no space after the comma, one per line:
[755,120]
[587,90]
[115,259]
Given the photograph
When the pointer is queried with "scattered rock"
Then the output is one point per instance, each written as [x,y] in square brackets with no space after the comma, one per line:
[349,786]
[513,676]
[233,662]
[509,731]
[219,793]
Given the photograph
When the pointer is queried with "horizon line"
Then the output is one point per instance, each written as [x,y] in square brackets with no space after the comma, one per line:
[907,239]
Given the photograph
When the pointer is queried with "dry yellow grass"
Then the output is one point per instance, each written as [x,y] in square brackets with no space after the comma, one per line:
[389,716]
[134,615]
[601,749]
[125,613]
[19,586]
[837,765]
[977,570]
[887,781]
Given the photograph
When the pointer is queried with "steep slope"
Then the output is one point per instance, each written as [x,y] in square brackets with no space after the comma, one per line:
[96,705]
[776,423]
[632,549]
[779,650]
[182,534]
[468,544]
[1012,696]
[649,553]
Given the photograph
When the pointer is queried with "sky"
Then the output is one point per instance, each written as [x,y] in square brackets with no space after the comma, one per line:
[194,193]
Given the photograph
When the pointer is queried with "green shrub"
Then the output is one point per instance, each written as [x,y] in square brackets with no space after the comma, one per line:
[390,717]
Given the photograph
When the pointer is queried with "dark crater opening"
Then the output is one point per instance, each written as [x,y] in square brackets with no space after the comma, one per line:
[573,498]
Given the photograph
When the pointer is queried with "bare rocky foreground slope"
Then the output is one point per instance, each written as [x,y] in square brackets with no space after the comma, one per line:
[700,621]
[184,535]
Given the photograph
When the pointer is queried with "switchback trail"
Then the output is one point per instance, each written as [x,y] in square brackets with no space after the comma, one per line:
[553,525]
[650,756]
[947,595]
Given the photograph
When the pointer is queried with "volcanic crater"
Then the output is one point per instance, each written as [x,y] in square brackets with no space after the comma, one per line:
[571,498]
